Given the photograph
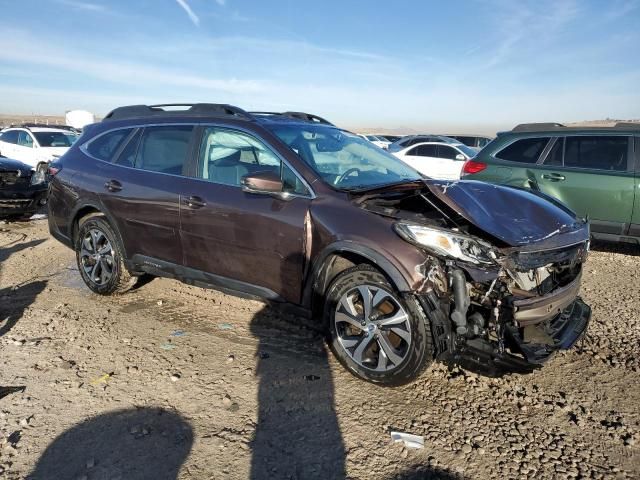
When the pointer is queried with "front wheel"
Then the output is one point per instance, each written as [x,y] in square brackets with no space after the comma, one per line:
[377,334]
[100,257]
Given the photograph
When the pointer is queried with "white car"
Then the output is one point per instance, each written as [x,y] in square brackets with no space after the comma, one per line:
[32,145]
[439,160]
[376,140]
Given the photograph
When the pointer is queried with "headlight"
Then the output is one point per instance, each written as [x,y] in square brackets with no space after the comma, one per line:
[39,175]
[447,243]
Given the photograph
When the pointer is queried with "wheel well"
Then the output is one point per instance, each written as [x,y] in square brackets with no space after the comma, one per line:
[80,214]
[333,265]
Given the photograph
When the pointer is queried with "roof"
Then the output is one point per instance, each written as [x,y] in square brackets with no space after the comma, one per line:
[219,110]
[37,127]
[558,127]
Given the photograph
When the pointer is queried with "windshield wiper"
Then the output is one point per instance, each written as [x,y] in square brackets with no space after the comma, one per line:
[378,186]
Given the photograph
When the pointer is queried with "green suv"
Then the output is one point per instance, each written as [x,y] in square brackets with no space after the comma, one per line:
[594,171]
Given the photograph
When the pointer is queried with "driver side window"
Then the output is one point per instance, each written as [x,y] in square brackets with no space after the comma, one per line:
[227,155]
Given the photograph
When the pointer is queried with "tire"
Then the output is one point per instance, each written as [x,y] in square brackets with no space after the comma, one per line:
[100,257]
[394,345]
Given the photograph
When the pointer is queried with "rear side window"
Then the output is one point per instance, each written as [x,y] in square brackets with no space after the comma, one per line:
[105,146]
[447,152]
[164,149]
[423,151]
[597,152]
[10,136]
[527,150]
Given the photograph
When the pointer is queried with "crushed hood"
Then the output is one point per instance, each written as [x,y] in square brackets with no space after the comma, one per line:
[517,217]
[10,165]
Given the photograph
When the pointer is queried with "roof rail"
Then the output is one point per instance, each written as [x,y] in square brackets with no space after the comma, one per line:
[537,127]
[212,109]
[29,125]
[627,125]
[309,117]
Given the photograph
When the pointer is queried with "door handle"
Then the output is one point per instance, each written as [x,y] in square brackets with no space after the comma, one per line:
[113,186]
[553,177]
[194,202]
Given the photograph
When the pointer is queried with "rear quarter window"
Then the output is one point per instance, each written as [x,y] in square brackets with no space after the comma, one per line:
[105,146]
[526,150]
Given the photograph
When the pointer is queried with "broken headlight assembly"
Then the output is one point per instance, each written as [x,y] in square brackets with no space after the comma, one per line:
[447,243]
[39,175]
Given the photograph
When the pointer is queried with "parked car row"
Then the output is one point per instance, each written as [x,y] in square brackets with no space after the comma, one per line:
[32,144]
[25,152]
[399,269]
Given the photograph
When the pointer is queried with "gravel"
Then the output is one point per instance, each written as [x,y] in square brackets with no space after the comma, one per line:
[253,392]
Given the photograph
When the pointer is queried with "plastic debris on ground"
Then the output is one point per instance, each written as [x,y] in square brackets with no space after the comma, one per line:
[102,379]
[409,440]
[167,346]
[178,333]
[225,326]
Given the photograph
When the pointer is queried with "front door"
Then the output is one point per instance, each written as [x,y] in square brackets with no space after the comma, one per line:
[251,238]
[142,188]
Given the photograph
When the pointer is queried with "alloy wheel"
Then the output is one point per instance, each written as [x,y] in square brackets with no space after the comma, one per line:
[96,257]
[373,327]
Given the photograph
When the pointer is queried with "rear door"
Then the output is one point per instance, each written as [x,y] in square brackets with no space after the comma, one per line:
[255,239]
[424,159]
[142,189]
[450,168]
[594,176]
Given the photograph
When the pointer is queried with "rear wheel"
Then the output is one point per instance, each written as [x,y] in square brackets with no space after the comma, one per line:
[375,332]
[100,257]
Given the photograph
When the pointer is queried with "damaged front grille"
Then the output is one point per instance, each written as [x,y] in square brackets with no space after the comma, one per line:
[12,178]
[523,261]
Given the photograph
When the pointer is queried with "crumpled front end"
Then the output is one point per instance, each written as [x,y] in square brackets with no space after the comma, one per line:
[502,269]
[513,316]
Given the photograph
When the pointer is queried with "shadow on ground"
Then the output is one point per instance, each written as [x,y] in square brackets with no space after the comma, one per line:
[15,247]
[613,247]
[132,444]
[13,303]
[297,435]
[428,473]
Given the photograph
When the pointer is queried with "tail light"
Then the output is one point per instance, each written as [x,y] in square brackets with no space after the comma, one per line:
[472,166]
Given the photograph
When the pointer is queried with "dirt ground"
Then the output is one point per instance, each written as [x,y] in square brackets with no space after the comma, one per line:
[172,381]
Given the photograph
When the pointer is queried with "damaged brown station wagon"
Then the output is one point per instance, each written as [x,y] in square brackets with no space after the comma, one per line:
[287,207]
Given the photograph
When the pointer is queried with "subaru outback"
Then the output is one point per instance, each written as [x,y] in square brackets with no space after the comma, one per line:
[594,171]
[287,207]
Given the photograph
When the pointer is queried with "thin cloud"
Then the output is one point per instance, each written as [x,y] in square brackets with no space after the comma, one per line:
[86,6]
[222,3]
[25,49]
[192,16]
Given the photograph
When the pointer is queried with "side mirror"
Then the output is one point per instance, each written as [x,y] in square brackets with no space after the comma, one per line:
[460,157]
[267,182]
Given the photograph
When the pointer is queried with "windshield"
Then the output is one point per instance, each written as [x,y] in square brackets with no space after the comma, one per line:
[342,159]
[55,139]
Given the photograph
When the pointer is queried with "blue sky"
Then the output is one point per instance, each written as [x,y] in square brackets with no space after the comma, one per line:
[451,64]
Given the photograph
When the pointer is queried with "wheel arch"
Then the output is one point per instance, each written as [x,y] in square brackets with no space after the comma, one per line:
[89,208]
[338,257]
